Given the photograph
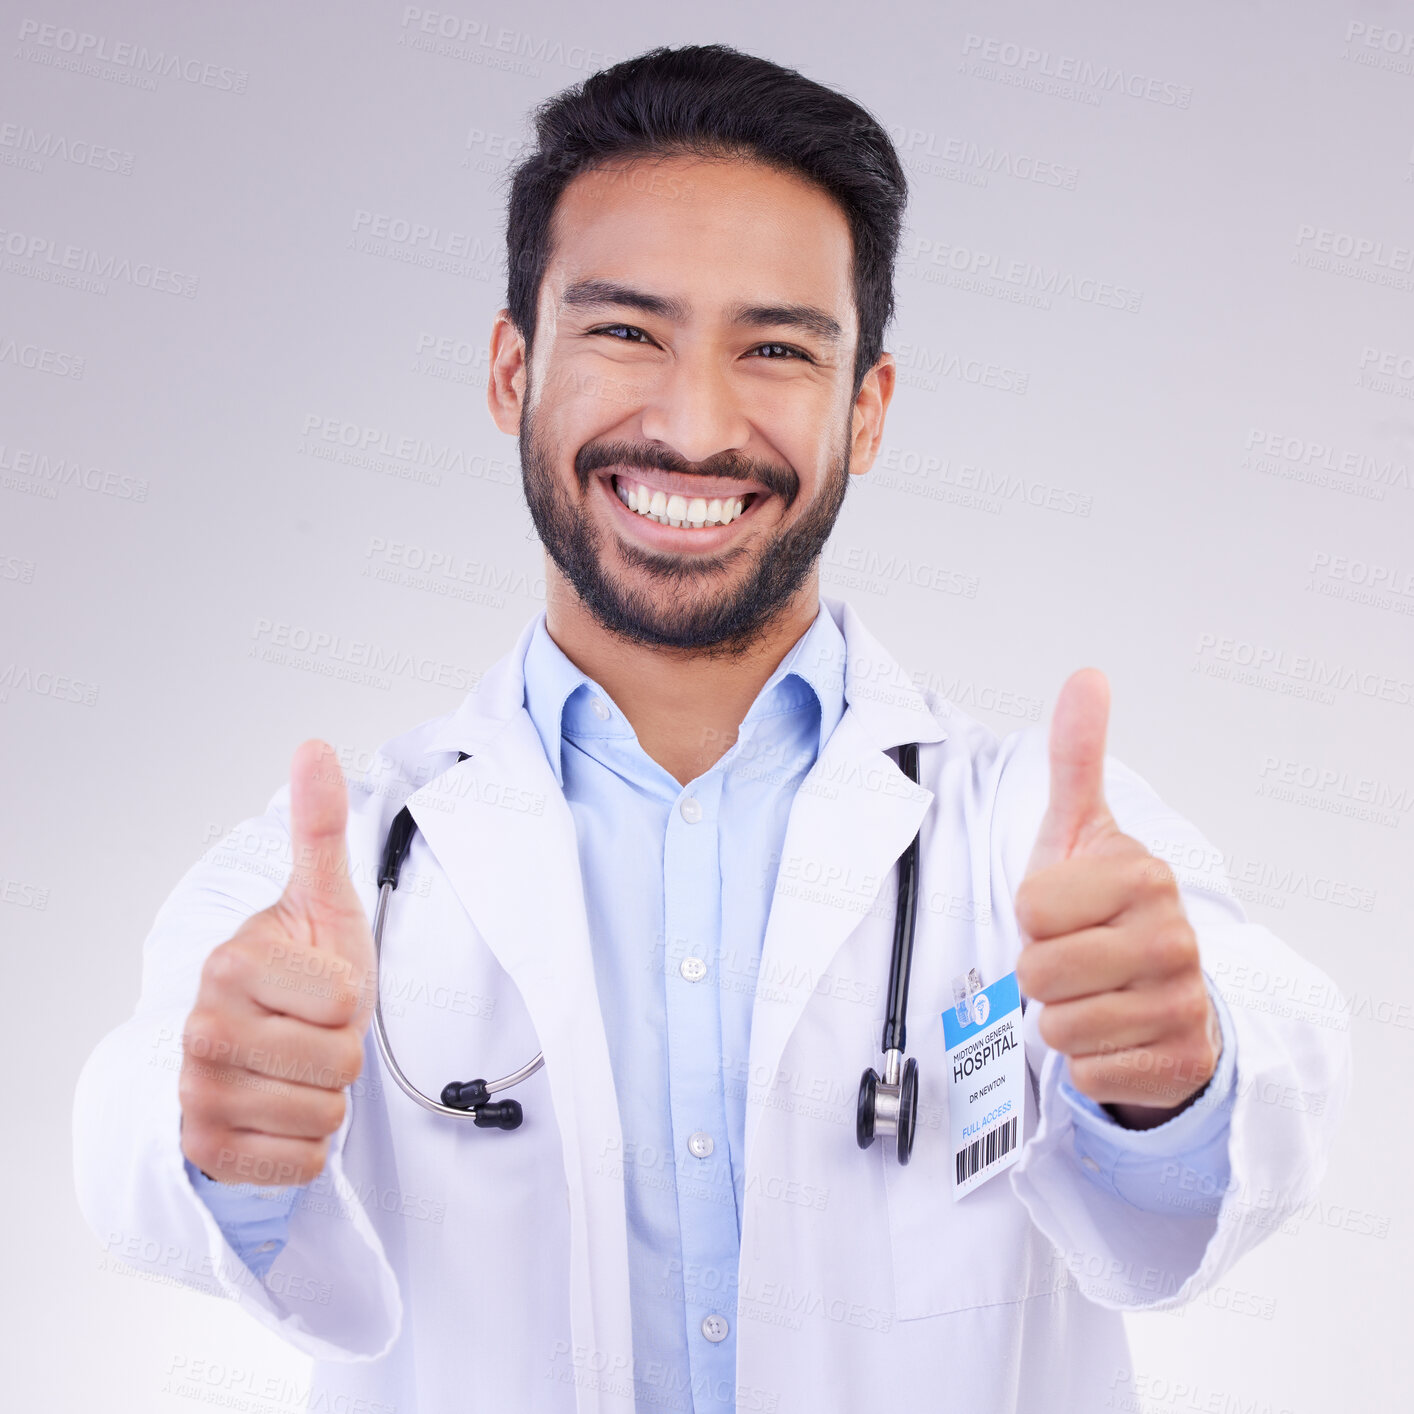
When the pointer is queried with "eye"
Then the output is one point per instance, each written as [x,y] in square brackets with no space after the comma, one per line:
[636,335]
[788,348]
[627,328]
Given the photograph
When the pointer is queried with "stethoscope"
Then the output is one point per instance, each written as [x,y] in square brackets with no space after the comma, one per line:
[886,1106]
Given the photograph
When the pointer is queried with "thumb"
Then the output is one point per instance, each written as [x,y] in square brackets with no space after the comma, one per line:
[319,886]
[1077,811]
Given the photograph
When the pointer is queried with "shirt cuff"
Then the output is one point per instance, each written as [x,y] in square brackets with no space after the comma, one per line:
[255,1220]
[1138,1165]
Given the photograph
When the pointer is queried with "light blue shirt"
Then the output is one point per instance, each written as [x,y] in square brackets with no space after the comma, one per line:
[678,882]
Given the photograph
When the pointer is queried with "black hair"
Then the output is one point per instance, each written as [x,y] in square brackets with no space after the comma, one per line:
[713,101]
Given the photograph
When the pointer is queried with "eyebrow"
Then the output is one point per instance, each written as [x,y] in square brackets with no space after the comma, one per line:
[806,317]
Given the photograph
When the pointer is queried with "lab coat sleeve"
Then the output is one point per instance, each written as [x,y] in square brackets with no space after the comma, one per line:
[1288,1093]
[1137,1164]
[330,1292]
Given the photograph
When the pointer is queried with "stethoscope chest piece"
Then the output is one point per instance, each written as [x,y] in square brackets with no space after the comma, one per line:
[889,1108]
[889,1105]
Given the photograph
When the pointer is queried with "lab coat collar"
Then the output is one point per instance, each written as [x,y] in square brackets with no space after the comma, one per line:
[810,673]
[890,708]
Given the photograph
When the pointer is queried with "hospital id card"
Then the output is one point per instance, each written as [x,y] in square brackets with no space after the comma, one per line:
[986,1063]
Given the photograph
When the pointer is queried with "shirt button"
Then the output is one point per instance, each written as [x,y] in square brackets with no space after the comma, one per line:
[265,1247]
[1090,1164]
[715,1328]
[693,969]
[700,1145]
[600,708]
[691,810]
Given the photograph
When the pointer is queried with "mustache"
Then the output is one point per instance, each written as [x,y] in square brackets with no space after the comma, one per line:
[727,466]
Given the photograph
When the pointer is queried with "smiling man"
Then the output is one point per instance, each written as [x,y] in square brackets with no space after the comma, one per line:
[685,468]
[652,870]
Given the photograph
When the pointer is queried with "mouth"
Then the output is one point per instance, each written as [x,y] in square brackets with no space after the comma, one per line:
[677,521]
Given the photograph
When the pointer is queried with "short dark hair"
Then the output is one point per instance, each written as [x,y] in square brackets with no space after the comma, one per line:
[711,100]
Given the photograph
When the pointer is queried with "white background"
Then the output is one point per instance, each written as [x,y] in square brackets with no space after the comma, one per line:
[1227,467]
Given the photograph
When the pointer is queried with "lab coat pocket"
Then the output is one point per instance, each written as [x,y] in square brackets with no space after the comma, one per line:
[952,1255]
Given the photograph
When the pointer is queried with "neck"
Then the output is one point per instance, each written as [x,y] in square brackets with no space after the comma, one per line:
[684,705]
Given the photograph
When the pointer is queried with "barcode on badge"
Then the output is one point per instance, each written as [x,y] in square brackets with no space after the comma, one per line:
[986,1149]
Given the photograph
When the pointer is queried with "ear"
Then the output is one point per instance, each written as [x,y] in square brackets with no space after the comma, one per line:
[506,381]
[867,415]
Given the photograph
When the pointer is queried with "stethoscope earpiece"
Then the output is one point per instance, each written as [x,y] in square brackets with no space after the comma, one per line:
[461,1099]
[473,1095]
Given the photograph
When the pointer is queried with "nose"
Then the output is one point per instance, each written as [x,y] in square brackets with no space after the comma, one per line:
[694,409]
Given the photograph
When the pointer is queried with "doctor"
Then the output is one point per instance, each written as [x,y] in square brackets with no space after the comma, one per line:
[659,843]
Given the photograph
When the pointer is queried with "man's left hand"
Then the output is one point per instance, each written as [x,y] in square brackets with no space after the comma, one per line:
[1108,947]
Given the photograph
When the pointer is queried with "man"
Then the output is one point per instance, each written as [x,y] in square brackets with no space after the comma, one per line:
[659,845]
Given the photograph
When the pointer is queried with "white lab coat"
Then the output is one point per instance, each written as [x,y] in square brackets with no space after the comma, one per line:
[435,1267]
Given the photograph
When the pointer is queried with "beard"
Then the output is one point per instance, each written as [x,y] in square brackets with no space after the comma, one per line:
[691,601]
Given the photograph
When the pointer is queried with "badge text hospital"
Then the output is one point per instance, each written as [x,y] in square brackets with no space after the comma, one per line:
[986,1071]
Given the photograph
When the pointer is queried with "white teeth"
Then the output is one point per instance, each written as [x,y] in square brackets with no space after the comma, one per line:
[677,510]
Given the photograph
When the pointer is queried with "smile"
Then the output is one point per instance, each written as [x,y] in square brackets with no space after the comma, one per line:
[692,512]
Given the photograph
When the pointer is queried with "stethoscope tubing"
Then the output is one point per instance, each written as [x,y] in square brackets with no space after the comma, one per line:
[385,1048]
[891,1100]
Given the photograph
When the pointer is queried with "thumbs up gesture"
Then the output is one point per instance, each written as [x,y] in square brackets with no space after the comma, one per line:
[277,1031]
[1108,947]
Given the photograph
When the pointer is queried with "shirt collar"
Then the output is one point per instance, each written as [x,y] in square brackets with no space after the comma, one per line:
[559,697]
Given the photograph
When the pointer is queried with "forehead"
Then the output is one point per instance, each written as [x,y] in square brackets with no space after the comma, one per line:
[711,231]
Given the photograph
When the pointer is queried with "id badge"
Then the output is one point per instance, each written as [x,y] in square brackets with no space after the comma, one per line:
[986,1064]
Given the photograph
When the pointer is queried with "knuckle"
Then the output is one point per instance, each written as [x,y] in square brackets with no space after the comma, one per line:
[1083,1073]
[1152,877]
[1052,1031]
[1035,975]
[1193,1006]
[1027,903]
[334,1108]
[204,1033]
[202,1144]
[343,993]
[1175,947]
[318,1156]
[352,1057]
[1028,972]
[193,1089]
[227,967]
[1021,900]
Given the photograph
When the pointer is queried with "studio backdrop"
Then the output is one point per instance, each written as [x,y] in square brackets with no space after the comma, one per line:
[1155,413]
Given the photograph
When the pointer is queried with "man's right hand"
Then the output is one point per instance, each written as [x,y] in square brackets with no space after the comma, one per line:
[277,1031]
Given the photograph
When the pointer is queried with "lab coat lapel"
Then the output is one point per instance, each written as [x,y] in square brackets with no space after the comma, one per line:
[851,819]
[509,850]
